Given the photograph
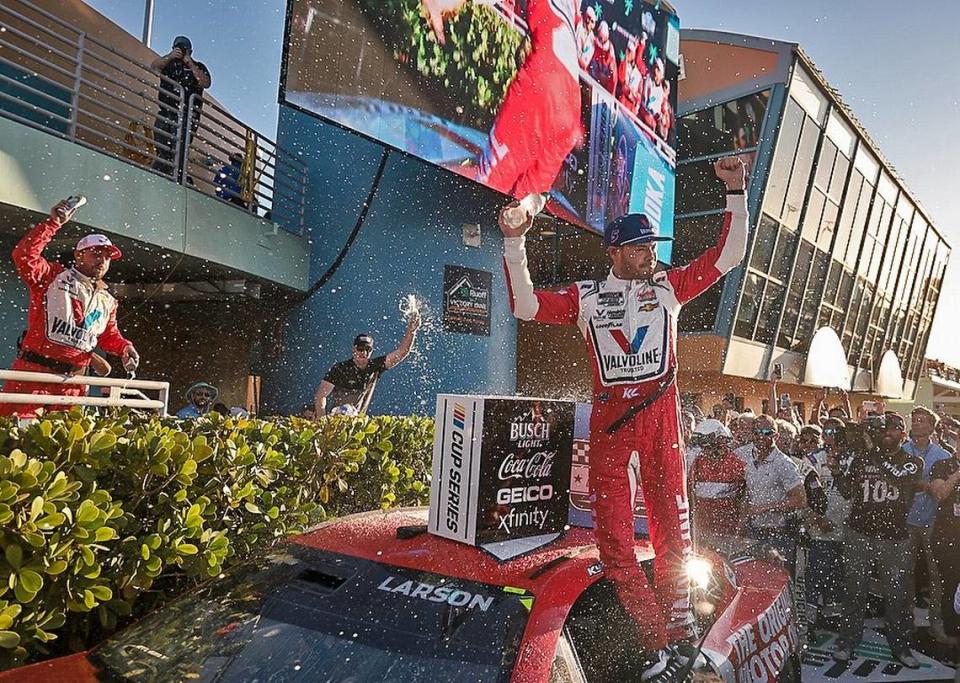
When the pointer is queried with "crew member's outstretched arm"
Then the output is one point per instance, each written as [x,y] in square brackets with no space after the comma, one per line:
[28,258]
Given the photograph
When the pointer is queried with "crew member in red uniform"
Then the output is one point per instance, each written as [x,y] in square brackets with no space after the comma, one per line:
[71,312]
[629,322]
[603,66]
[718,488]
[539,120]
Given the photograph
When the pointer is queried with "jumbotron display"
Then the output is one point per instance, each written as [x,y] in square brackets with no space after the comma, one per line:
[571,97]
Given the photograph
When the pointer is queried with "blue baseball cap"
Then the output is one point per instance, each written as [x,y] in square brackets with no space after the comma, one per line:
[632,228]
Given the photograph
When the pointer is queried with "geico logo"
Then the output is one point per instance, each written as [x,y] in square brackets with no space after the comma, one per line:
[523,494]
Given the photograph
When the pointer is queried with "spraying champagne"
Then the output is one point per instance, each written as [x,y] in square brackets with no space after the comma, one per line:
[526,208]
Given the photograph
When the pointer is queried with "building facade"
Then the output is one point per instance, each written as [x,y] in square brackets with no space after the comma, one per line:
[837,238]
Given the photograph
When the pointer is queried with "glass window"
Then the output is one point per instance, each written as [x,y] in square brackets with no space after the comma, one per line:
[827,225]
[828,153]
[844,298]
[800,177]
[791,311]
[779,177]
[770,312]
[845,226]
[833,282]
[811,220]
[763,244]
[749,306]
[840,169]
[804,88]
[783,256]
[811,301]
[734,125]
[859,225]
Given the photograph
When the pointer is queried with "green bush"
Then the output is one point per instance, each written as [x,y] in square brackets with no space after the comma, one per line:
[104,517]
[472,70]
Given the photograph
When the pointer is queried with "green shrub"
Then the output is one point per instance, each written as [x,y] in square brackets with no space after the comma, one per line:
[471,71]
[104,517]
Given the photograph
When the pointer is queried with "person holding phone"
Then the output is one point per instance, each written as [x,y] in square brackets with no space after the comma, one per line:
[71,313]
[192,77]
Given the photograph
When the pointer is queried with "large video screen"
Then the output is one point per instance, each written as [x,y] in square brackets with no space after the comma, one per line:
[572,97]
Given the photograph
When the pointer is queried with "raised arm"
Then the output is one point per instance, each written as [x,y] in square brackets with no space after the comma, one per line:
[402,351]
[28,258]
[437,10]
[562,308]
[160,63]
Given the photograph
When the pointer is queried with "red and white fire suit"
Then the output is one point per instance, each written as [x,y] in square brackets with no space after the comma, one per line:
[539,120]
[69,316]
[631,332]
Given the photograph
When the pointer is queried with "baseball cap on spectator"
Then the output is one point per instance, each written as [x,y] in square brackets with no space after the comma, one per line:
[96,240]
[632,228]
[713,428]
[183,41]
[363,341]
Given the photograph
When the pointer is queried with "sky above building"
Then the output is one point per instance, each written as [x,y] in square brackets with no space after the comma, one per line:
[894,63]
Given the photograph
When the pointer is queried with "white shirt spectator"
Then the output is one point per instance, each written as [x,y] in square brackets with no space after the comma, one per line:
[768,481]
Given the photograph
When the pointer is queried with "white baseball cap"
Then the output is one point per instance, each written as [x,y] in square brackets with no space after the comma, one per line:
[95,240]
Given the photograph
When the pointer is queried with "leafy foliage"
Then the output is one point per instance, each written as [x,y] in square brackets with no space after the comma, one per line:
[102,517]
[472,70]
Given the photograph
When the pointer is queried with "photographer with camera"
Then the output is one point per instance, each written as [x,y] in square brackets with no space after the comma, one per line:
[879,484]
[193,77]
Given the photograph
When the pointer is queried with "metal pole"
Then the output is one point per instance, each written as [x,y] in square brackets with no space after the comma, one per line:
[77,82]
[147,22]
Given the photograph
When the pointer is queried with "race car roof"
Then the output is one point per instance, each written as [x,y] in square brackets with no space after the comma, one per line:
[373,536]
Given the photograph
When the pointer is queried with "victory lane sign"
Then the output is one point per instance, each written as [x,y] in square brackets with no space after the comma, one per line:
[501,468]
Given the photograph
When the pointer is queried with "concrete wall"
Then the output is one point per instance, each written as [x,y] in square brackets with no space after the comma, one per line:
[413,229]
[37,169]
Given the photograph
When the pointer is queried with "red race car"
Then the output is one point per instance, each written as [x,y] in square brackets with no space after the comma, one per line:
[372,597]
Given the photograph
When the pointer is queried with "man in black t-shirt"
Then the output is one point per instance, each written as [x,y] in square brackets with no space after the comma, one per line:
[945,542]
[879,484]
[348,385]
[180,68]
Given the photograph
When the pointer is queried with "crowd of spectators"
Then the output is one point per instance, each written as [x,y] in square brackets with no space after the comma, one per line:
[638,80]
[855,504]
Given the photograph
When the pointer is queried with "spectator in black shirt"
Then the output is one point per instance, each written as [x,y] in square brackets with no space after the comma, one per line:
[348,386]
[945,542]
[179,66]
[879,485]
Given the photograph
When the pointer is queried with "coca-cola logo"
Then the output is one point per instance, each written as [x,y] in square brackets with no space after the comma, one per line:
[537,466]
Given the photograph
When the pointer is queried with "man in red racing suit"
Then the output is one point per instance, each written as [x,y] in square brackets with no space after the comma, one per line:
[538,122]
[71,312]
[629,323]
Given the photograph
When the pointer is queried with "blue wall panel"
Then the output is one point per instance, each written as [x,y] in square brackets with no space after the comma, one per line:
[413,229]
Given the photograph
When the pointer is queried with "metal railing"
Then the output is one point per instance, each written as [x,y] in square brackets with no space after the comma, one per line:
[236,163]
[123,393]
[58,79]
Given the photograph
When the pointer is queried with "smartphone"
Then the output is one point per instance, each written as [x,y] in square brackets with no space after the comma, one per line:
[872,407]
[778,370]
[73,203]
[784,401]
